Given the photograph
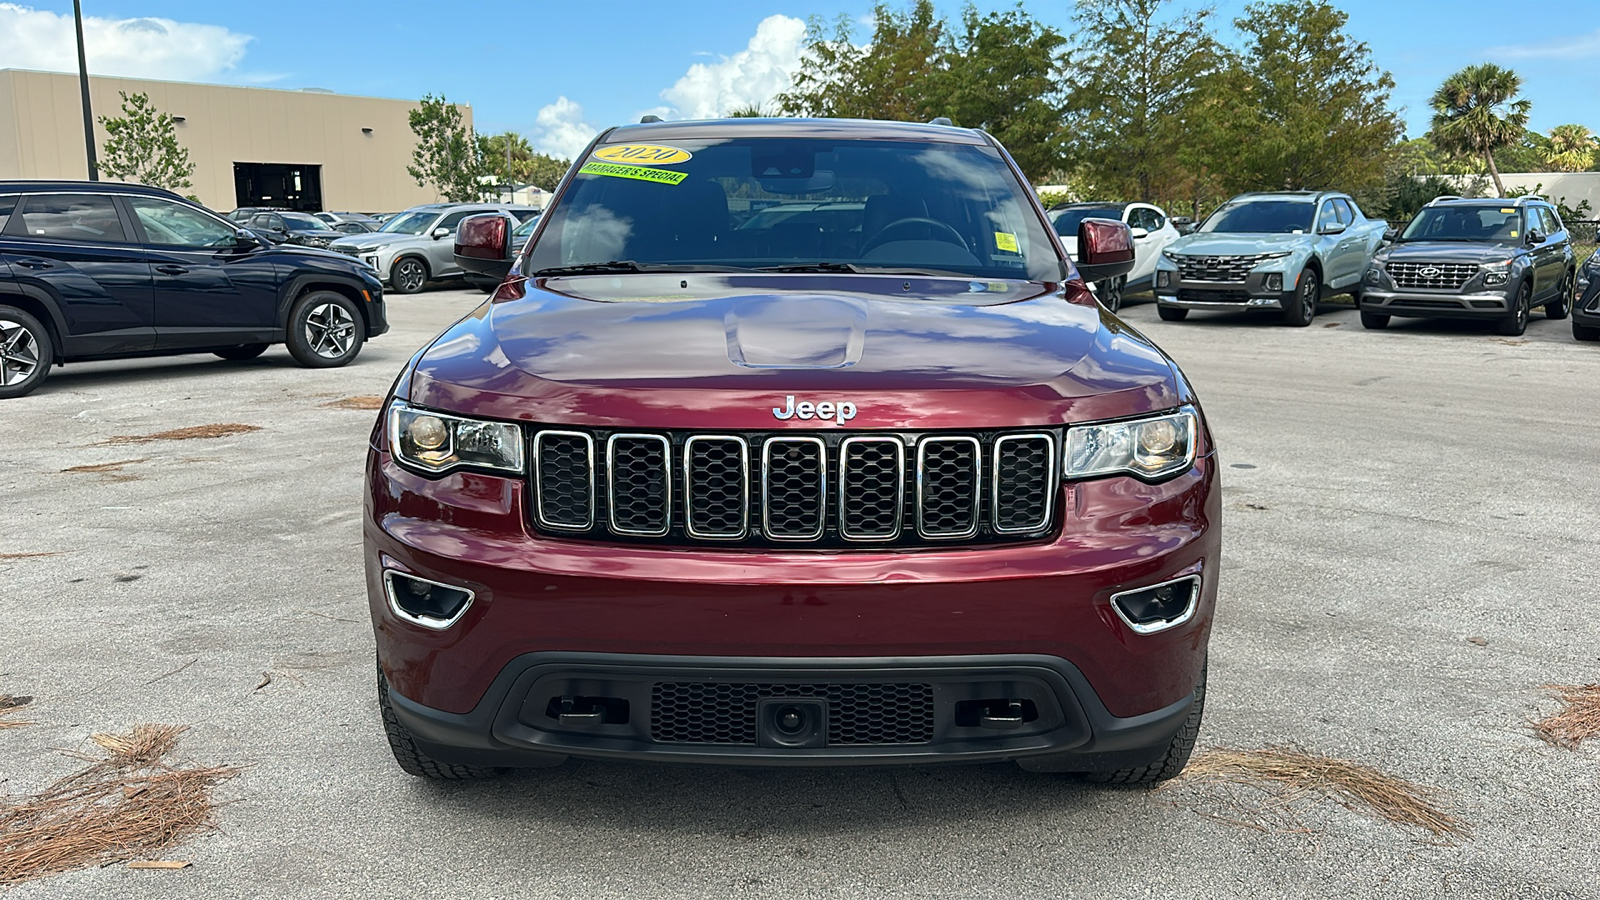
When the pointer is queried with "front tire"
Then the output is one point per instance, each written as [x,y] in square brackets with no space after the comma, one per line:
[241,352]
[1374,321]
[1172,313]
[1516,321]
[25,353]
[409,757]
[409,275]
[1303,306]
[325,330]
[1174,758]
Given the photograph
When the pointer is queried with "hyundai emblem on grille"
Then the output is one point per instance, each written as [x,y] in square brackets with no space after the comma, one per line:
[841,411]
[1429,271]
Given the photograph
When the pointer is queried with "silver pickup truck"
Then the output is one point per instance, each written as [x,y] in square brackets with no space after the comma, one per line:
[1283,250]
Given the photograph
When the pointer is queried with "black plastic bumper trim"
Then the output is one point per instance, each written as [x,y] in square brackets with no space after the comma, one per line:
[493,733]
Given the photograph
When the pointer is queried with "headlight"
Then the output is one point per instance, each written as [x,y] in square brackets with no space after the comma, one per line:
[1372,275]
[1169,256]
[438,442]
[1266,256]
[1150,448]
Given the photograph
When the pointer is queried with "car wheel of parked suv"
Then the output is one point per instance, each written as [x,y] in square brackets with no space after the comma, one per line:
[1374,321]
[242,352]
[1516,321]
[411,759]
[25,352]
[1303,308]
[1176,756]
[1110,293]
[1556,308]
[1172,313]
[410,275]
[325,330]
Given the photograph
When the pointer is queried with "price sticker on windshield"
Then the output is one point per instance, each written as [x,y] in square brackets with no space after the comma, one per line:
[1006,241]
[643,155]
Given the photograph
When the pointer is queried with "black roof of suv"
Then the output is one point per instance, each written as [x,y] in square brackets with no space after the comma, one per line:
[107,270]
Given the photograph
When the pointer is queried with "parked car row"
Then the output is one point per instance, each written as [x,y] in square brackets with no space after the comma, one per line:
[1492,259]
[417,246]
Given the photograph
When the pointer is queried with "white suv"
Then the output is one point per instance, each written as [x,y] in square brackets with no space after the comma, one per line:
[418,245]
[1152,231]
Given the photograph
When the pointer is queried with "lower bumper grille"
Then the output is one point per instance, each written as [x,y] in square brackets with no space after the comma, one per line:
[1219,296]
[725,713]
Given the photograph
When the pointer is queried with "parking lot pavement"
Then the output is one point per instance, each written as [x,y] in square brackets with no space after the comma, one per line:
[1408,556]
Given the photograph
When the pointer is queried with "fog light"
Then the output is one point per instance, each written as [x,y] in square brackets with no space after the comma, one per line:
[1158,607]
[423,602]
[1275,281]
[1163,279]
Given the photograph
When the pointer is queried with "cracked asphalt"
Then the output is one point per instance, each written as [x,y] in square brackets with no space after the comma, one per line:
[1408,557]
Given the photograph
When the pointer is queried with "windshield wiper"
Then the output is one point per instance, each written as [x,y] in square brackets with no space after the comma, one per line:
[854,269]
[627,265]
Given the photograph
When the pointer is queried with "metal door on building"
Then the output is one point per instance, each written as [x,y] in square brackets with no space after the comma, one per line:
[282,185]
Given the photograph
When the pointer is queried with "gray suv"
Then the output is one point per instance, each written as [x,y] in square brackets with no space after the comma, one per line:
[418,245]
[1493,259]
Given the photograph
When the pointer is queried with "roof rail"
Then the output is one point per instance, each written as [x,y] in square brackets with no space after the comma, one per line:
[1445,197]
[1526,197]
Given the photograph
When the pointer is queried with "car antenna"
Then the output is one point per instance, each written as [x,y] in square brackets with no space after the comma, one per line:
[941,120]
[646,120]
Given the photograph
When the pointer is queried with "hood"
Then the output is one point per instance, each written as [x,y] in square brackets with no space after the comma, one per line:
[374,239]
[1225,244]
[724,351]
[1449,251]
[303,250]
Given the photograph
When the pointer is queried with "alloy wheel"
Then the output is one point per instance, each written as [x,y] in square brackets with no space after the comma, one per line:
[1309,289]
[330,330]
[410,277]
[19,353]
[1524,306]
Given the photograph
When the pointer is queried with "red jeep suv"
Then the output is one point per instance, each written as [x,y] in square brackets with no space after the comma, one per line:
[793,442]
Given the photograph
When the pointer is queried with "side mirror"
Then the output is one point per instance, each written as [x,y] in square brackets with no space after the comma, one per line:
[1333,228]
[1139,233]
[1184,224]
[482,245]
[1390,235]
[439,233]
[1105,249]
[244,239]
[1535,236]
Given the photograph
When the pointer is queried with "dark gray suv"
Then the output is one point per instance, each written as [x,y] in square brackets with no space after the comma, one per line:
[1493,259]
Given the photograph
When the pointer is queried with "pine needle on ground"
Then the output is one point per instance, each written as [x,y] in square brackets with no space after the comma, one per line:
[1578,721]
[1289,776]
[8,708]
[184,434]
[364,401]
[133,802]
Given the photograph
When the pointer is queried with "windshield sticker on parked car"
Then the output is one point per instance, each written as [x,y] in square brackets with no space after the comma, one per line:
[1006,241]
[1508,211]
[643,154]
[642,173]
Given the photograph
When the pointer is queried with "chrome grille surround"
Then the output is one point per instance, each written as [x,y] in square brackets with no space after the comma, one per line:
[865,514]
[1431,276]
[1010,502]
[944,481]
[707,479]
[644,471]
[550,476]
[786,495]
[1205,267]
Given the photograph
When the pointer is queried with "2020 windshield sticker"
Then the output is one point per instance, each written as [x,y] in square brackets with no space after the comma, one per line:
[643,155]
[642,173]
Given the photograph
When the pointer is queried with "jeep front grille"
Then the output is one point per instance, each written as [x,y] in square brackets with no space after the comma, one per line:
[837,489]
[1216,268]
[1431,276]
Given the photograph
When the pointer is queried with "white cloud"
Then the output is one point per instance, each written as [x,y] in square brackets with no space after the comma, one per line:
[1583,46]
[134,48]
[562,131]
[751,77]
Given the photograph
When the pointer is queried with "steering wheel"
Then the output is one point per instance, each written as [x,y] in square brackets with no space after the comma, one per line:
[943,233]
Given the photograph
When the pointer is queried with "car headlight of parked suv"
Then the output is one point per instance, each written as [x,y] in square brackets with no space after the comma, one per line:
[1587,273]
[436,442]
[1152,448]
[1497,272]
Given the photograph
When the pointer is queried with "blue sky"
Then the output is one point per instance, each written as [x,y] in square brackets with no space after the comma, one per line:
[557,71]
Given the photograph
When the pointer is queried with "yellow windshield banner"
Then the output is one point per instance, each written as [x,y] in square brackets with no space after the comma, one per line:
[643,155]
[641,173]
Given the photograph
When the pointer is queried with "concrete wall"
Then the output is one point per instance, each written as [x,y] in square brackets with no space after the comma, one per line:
[1564,187]
[41,135]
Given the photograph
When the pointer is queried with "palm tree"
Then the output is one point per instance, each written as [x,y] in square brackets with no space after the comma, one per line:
[1572,148]
[1474,114]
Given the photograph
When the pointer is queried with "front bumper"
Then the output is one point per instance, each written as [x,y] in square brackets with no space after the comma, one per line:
[1252,293]
[1034,615]
[1586,311]
[1443,304]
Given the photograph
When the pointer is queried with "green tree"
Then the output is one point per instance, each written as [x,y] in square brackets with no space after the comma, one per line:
[1002,73]
[1475,113]
[447,156]
[512,160]
[1310,110]
[142,146]
[889,78]
[1135,80]
[748,111]
[1572,148]
[545,171]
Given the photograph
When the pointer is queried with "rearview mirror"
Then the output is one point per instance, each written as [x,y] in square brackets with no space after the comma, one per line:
[441,233]
[1105,249]
[482,243]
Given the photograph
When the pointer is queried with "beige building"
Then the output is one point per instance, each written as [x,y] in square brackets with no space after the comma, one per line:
[251,146]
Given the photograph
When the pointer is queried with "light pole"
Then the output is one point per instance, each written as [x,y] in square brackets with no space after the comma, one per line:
[83,86]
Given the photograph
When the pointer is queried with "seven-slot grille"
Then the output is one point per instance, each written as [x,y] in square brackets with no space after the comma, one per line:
[1216,268]
[838,489]
[1433,276]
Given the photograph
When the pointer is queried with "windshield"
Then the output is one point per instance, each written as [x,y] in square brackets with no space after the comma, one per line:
[304,223]
[1463,223]
[526,228]
[410,223]
[1261,217]
[1067,220]
[797,203]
